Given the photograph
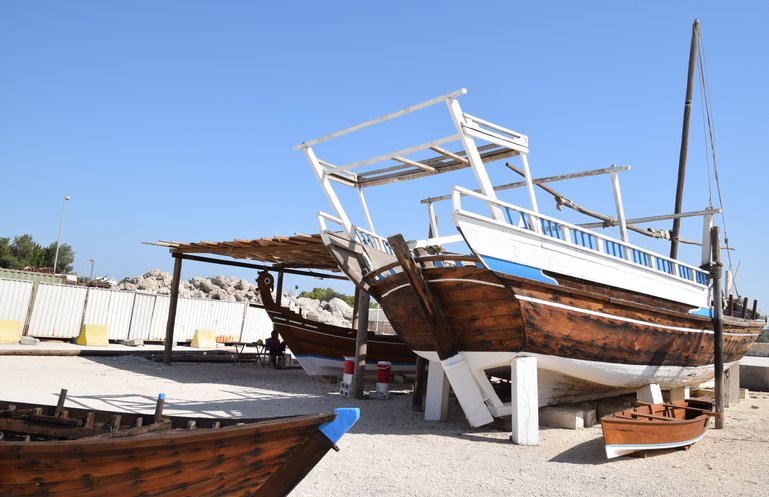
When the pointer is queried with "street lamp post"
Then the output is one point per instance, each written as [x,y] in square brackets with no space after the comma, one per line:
[58,237]
[90,278]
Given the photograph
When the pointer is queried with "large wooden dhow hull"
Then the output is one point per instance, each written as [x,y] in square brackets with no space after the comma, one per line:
[596,335]
[321,348]
[64,453]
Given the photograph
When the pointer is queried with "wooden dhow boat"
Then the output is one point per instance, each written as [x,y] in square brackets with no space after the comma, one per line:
[321,348]
[600,314]
[62,451]
[649,427]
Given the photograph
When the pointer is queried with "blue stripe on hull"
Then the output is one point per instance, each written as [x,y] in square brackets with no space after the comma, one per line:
[515,269]
[702,311]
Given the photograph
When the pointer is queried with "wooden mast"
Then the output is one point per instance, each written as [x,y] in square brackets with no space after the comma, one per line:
[684,141]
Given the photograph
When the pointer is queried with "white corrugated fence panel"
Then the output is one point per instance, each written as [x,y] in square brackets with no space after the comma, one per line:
[111,308]
[14,300]
[227,320]
[258,325]
[191,315]
[141,318]
[157,331]
[57,311]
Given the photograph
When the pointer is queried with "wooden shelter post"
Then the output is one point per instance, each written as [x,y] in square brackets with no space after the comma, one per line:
[279,289]
[718,316]
[171,323]
[361,342]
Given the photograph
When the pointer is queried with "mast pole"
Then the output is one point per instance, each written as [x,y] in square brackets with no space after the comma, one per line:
[684,140]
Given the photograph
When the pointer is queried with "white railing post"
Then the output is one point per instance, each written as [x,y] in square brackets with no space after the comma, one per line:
[618,204]
[476,163]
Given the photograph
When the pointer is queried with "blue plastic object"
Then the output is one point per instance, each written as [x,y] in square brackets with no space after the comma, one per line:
[345,418]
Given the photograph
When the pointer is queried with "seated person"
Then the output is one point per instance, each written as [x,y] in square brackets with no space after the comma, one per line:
[276,348]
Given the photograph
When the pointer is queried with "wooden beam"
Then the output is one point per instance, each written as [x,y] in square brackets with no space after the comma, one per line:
[420,384]
[361,343]
[169,343]
[450,154]
[444,336]
[260,267]
[414,163]
[381,119]
[539,181]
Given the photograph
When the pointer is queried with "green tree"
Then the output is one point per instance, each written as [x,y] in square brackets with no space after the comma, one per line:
[24,249]
[326,294]
[7,259]
[66,257]
[23,252]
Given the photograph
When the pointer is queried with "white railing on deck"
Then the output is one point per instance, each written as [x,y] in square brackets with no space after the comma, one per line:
[523,219]
[362,235]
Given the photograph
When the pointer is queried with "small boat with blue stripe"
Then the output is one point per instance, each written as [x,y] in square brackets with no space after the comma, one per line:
[63,451]
[651,427]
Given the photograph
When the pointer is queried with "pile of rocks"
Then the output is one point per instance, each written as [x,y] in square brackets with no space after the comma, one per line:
[232,289]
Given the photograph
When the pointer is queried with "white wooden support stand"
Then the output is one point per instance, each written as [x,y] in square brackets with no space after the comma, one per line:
[437,395]
[651,394]
[525,401]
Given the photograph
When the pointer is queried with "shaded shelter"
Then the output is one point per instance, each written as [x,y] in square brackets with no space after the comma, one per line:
[298,254]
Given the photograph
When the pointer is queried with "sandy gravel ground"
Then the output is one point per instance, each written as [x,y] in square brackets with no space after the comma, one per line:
[392,451]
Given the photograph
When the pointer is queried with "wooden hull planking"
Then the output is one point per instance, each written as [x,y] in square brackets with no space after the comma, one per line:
[321,348]
[490,313]
[241,458]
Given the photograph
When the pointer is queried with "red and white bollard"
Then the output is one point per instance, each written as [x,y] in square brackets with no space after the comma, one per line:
[347,373]
[383,379]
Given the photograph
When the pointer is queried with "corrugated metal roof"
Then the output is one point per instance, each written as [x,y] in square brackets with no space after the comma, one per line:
[297,251]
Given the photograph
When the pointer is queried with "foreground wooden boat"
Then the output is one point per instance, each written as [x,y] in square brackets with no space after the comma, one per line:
[321,348]
[600,314]
[60,451]
[656,426]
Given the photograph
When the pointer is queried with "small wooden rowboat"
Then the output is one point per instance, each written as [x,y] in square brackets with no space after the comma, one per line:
[656,426]
[58,451]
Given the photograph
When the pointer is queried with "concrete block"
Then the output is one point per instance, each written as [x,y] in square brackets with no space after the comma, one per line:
[403,378]
[134,342]
[569,417]
[25,340]
[590,416]
[754,378]
[203,339]
[744,393]
[10,331]
[93,335]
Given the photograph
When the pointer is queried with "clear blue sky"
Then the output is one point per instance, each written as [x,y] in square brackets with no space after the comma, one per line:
[175,120]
